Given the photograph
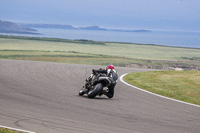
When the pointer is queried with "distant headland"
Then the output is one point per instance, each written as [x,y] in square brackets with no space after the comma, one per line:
[19,28]
[60,26]
[11,27]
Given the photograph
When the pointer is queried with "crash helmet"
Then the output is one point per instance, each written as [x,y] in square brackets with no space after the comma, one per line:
[110,66]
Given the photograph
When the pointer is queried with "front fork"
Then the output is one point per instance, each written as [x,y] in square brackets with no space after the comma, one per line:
[90,81]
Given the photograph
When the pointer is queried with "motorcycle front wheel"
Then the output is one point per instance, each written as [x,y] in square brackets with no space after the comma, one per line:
[97,89]
[81,92]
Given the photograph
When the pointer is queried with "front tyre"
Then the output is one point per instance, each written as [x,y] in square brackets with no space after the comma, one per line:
[81,92]
[97,89]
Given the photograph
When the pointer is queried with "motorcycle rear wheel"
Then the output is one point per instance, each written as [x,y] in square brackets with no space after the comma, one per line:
[97,89]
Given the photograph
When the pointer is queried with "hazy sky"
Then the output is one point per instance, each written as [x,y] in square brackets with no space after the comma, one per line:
[150,14]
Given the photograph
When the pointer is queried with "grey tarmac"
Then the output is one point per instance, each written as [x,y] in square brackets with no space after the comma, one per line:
[43,97]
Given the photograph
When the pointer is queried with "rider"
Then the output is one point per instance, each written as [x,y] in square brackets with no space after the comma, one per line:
[112,74]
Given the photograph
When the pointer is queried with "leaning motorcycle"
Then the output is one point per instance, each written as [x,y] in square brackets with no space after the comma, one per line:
[95,85]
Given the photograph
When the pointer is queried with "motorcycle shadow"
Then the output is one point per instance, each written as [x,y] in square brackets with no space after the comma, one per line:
[96,98]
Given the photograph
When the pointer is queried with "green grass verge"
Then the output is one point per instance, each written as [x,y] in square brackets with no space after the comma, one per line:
[180,85]
[4,130]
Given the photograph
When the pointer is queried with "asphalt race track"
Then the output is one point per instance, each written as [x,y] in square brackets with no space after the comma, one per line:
[43,97]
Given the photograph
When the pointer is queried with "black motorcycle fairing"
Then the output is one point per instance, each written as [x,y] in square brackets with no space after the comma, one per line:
[106,81]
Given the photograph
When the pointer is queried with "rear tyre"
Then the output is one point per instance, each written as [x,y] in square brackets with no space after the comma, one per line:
[97,89]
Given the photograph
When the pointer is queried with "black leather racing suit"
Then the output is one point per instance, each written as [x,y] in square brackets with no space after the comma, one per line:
[112,74]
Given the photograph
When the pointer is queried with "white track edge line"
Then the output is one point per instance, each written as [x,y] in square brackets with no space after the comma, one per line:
[121,79]
[16,129]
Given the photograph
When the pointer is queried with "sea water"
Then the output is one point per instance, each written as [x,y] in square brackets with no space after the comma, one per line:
[168,38]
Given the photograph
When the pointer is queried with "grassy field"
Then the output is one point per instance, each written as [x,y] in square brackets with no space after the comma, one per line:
[184,85]
[97,53]
[135,51]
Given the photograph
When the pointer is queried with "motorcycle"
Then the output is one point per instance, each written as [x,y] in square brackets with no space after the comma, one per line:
[95,85]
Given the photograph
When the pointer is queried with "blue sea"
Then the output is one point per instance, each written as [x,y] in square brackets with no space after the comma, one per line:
[168,38]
